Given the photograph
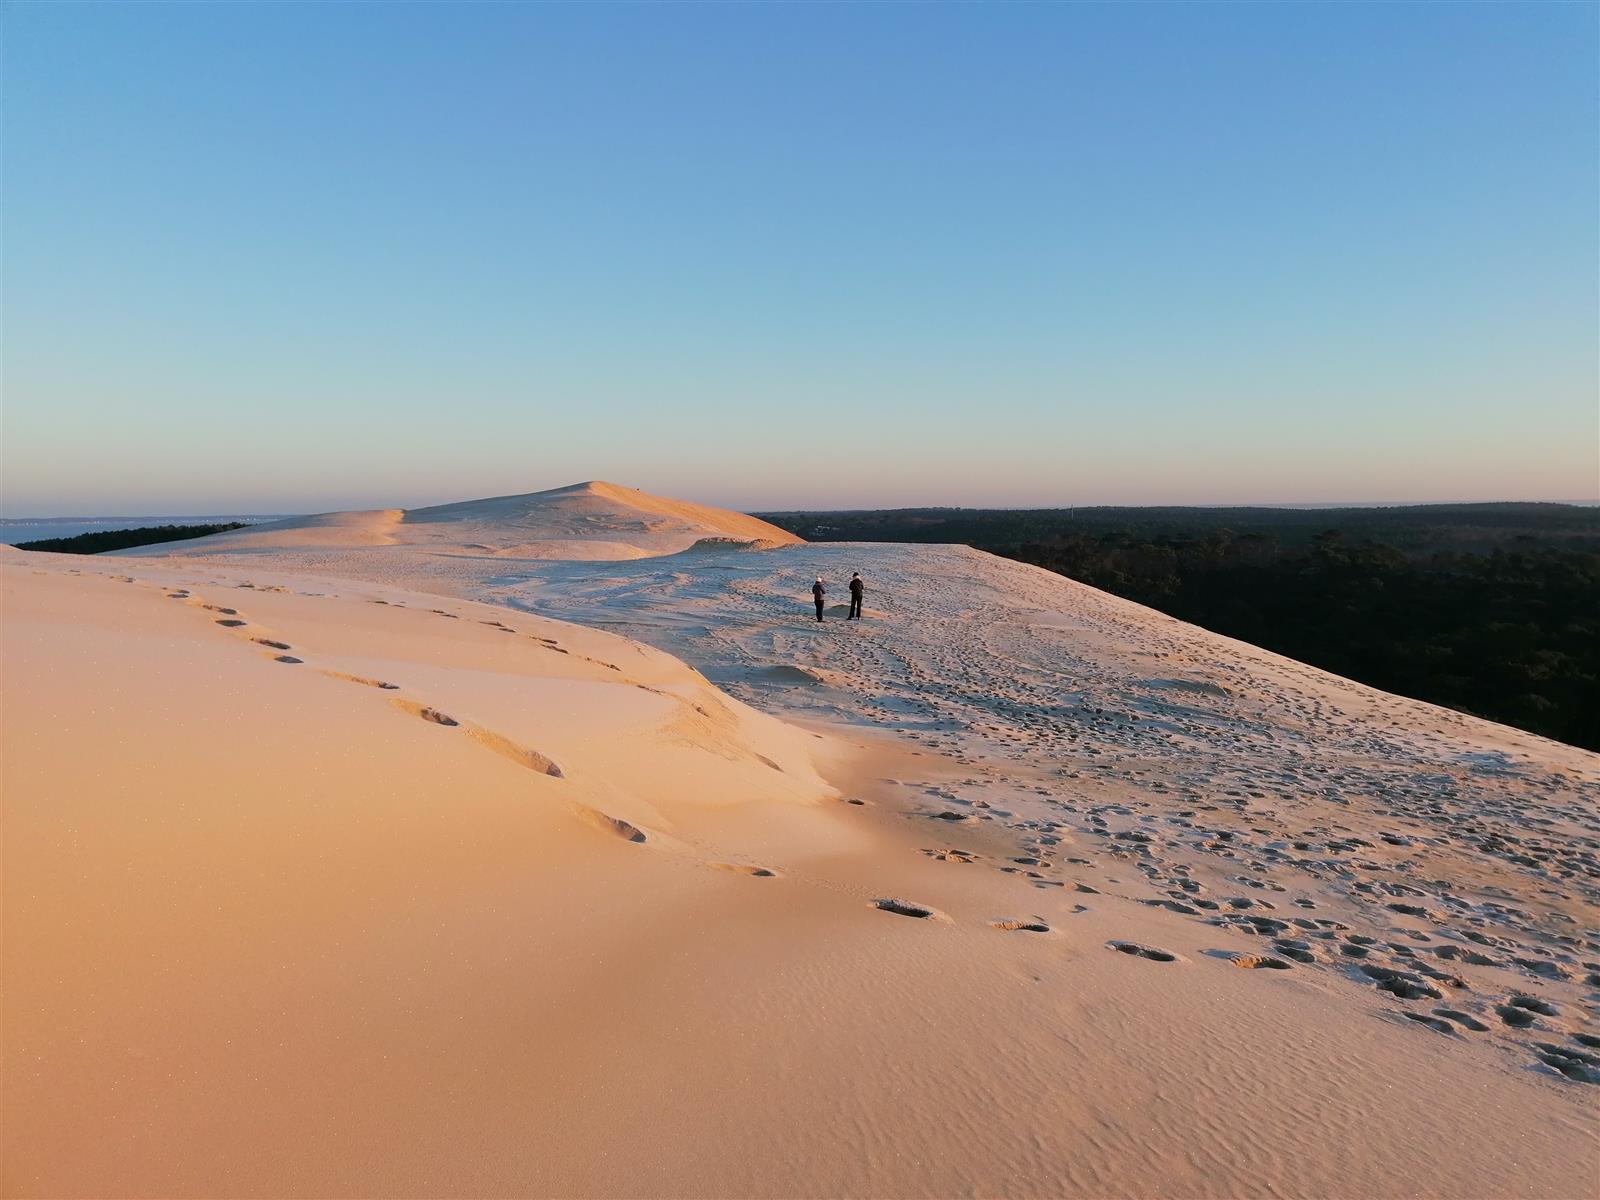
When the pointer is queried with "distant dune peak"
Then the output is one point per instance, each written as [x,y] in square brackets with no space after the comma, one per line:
[608,519]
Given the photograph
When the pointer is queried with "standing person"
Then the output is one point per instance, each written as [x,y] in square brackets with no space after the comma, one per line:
[817,593]
[856,588]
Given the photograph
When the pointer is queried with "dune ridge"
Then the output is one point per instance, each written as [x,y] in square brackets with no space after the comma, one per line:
[593,521]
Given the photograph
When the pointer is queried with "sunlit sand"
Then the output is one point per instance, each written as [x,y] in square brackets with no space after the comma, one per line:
[545,845]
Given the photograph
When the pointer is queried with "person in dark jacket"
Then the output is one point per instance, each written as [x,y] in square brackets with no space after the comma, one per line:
[856,588]
[817,593]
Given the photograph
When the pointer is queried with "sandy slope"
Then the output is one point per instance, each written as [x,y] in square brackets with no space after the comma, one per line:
[274,934]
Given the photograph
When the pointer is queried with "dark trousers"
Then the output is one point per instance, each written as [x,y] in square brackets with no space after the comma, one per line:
[855,606]
[819,608]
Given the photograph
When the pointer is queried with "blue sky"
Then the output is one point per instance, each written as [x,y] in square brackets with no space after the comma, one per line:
[299,256]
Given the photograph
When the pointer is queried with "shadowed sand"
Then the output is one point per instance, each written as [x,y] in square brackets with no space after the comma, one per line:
[465,900]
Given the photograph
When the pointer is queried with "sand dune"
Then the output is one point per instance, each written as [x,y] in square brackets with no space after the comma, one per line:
[594,521]
[348,870]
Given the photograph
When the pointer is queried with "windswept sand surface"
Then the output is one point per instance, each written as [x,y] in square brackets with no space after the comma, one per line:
[1052,895]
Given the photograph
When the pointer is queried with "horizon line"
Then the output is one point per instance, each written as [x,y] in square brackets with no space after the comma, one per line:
[1058,507]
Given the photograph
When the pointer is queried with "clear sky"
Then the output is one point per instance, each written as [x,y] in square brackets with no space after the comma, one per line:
[302,256]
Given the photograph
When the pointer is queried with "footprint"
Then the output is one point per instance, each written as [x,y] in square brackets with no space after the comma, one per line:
[1410,910]
[744,869]
[615,826]
[1460,1018]
[1139,951]
[1460,953]
[1433,1023]
[1295,949]
[1574,1064]
[1027,926]
[272,644]
[1444,977]
[1173,906]
[363,680]
[231,623]
[520,755]
[1258,961]
[287,658]
[906,908]
[1533,1004]
[426,713]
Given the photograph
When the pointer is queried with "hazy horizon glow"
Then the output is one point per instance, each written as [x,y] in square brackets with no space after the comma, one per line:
[295,258]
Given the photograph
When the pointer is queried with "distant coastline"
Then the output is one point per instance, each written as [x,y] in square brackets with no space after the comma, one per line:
[31,529]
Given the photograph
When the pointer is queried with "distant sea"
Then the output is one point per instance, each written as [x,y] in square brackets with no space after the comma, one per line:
[32,529]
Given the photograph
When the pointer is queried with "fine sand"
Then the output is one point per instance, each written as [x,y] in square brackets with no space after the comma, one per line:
[335,866]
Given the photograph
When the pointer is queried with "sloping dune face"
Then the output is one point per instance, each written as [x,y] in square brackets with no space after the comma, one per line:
[587,522]
[330,888]
[340,530]
[326,877]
